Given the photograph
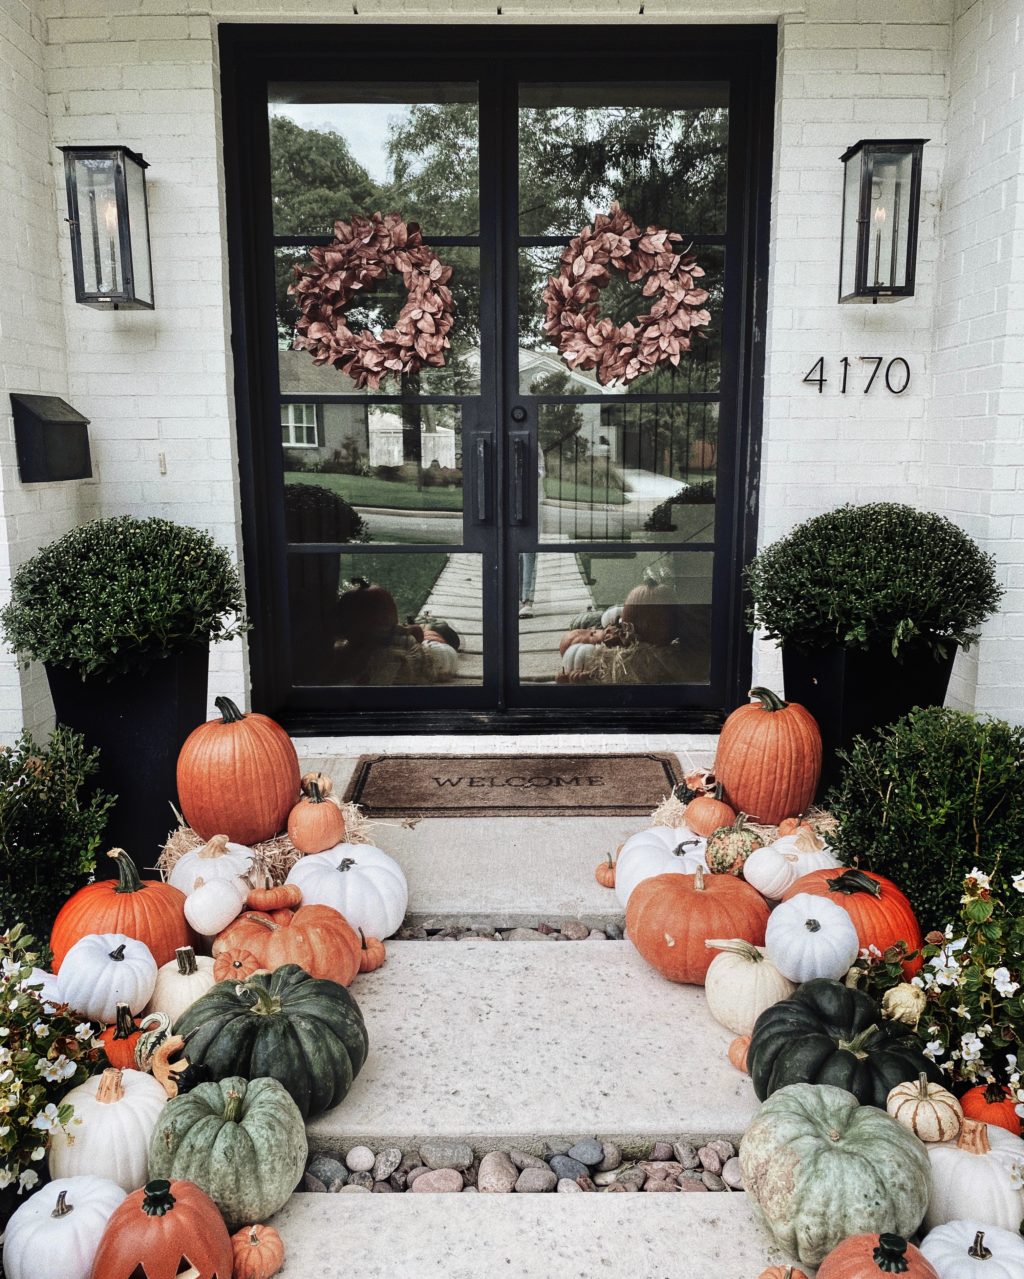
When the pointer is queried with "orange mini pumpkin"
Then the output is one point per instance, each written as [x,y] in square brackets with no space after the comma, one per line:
[274,897]
[708,813]
[738,1052]
[314,825]
[604,873]
[769,757]
[120,1038]
[874,1257]
[372,953]
[317,938]
[152,1231]
[669,918]
[258,1252]
[992,1104]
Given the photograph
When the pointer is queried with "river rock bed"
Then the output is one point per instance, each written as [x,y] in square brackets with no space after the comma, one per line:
[571,930]
[453,1167]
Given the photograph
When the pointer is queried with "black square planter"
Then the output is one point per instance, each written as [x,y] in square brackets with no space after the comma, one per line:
[851,692]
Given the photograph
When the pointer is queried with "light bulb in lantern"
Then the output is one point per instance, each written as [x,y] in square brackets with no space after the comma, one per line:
[879,220]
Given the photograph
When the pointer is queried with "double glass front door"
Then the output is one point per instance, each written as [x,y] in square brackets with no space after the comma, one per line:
[509,525]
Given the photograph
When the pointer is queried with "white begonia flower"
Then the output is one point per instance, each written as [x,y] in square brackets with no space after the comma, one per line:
[6,1177]
[48,1119]
[28,1179]
[37,1154]
[934,1049]
[1018,881]
[83,1031]
[963,1011]
[1003,983]
[54,1071]
[970,1046]
[980,878]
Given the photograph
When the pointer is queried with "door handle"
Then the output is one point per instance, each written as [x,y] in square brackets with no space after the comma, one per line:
[520,476]
[482,471]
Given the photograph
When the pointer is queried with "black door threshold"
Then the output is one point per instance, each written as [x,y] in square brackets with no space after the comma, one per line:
[385,722]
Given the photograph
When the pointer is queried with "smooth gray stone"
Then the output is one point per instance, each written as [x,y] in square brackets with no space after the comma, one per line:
[566,1166]
[589,1152]
[446,1154]
[532,1181]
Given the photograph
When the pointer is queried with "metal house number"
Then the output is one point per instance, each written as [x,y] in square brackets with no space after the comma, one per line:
[896,376]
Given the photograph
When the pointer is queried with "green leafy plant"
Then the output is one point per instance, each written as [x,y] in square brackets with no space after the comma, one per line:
[50,826]
[927,799]
[700,494]
[881,574]
[117,594]
[45,1050]
[313,513]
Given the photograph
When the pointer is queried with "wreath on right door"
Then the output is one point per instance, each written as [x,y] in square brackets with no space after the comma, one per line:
[622,353]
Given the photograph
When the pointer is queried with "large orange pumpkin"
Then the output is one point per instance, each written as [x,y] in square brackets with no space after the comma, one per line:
[146,910]
[769,757]
[155,1228]
[669,918]
[881,914]
[238,775]
[317,938]
[651,610]
[874,1257]
[992,1104]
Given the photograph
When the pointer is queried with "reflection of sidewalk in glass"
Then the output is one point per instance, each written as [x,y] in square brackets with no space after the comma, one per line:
[646,486]
[457,598]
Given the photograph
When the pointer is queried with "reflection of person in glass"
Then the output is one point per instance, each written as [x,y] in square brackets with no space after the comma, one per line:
[527,582]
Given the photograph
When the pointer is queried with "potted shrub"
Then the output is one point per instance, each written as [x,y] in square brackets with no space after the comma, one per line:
[869,605]
[121,613]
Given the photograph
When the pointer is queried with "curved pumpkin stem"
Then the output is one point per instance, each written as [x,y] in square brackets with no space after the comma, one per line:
[854,881]
[229,712]
[128,880]
[736,946]
[314,796]
[856,1044]
[977,1250]
[62,1207]
[769,701]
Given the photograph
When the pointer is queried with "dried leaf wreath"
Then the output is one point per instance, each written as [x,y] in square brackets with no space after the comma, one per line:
[661,335]
[363,252]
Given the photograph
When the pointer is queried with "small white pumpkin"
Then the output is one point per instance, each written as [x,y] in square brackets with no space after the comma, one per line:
[360,881]
[810,937]
[55,1233]
[972,1250]
[218,858]
[611,615]
[117,1111]
[102,970]
[443,658]
[181,982]
[211,906]
[577,657]
[774,869]
[45,986]
[980,1175]
[930,1111]
[741,983]
[662,850]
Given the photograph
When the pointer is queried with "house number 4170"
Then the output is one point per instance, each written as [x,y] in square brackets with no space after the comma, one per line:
[896,375]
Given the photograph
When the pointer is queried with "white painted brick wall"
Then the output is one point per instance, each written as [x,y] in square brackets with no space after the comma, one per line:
[161,383]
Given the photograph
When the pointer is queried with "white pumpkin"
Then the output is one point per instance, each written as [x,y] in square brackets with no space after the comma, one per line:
[662,850]
[211,906]
[55,1233]
[443,658]
[611,615]
[45,986]
[360,881]
[577,657]
[972,1250]
[930,1111]
[181,982]
[102,970]
[117,1111]
[810,937]
[218,858]
[774,869]
[980,1175]
[741,983]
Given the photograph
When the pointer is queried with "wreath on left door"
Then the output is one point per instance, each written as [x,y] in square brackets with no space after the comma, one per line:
[362,253]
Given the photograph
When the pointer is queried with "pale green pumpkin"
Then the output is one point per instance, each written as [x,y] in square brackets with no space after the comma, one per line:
[243,1142]
[822,1167]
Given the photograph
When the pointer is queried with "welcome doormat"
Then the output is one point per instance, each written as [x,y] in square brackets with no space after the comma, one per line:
[511,786]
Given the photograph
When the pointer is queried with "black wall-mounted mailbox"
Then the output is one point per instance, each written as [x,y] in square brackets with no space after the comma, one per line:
[52,439]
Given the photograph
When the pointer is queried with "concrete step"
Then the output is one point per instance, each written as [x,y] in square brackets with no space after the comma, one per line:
[507,1044]
[699,1236]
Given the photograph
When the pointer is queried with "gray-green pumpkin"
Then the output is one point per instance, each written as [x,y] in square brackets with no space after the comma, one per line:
[821,1167]
[242,1141]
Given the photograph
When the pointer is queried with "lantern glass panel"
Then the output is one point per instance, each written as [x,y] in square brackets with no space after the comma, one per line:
[102,268]
[138,223]
[851,226]
[888,220]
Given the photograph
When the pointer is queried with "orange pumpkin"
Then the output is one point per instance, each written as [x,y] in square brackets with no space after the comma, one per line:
[372,953]
[366,614]
[651,610]
[769,757]
[605,872]
[582,635]
[258,1252]
[875,1256]
[782,1272]
[881,914]
[669,918]
[738,1052]
[324,782]
[120,1038]
[790,826]
[146,910]
[708,813]
[314,825]
[317,938]
[274,897]
[155,1229]
[238,774]
[992,1104]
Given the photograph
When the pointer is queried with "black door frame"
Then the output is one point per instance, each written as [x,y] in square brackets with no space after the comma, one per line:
[249,57]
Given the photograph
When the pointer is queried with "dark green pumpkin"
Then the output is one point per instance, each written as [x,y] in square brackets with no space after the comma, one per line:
[304,1032]
[828,1033]
[585,620]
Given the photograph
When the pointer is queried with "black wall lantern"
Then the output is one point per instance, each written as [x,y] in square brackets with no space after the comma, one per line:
[881,203]
[109,223]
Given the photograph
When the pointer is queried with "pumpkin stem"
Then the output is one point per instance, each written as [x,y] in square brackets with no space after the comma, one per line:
[812,925]
[118,955]
[128,880]
[124,1026]
[679,850]
[699,879]
[362,935]
[974,1137]
[157,1198]
[229,712]
[736,946]
[891,1254]
[346,863]
[254,1238]
[186,958]
[854,881]
[62,1207]
[769,701]
[994,1093]
[856,1044]
[233,1107]
[977,1250]
[922,1086]
[314,796]
[111,1087]
[264,1003]
[215,846]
